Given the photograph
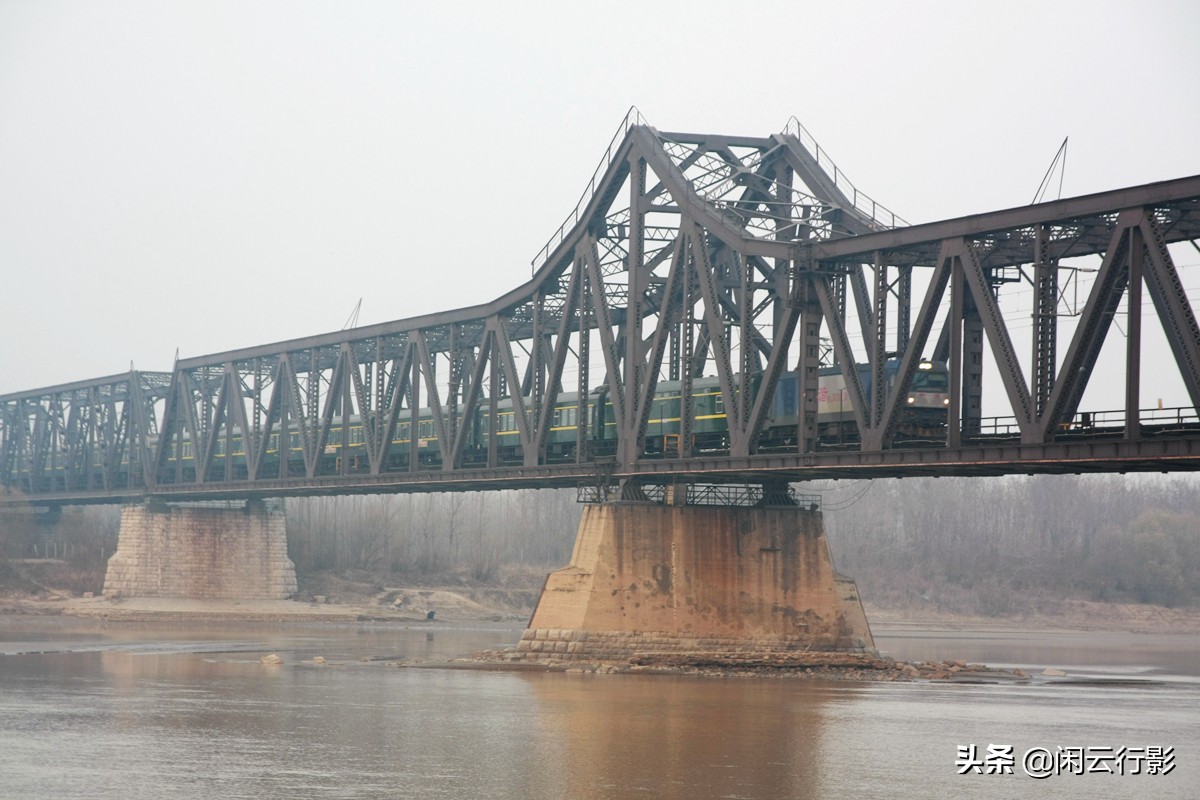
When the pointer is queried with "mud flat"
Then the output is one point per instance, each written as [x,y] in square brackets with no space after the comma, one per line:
[415,605]
[818,665]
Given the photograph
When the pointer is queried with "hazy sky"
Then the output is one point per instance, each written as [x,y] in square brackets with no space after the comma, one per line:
[204,176]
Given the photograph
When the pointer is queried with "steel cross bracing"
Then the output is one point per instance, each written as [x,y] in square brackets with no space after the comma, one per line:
[699,280]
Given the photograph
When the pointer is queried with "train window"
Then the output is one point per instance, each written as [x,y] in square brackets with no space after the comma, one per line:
[402,432]
[187,449]
[930,381]
[356,435]
[785,395]
[568,416]
[335,436]
[274,441]
[718,404]
[425,431]
[220,450]
[507,421]
[294,441]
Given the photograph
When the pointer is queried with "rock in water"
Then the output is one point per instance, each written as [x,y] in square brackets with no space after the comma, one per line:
[271,659]
[1053,672]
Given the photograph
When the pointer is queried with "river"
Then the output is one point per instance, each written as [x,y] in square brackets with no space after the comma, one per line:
[135,711]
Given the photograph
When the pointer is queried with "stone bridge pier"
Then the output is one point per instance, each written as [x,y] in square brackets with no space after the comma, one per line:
[202,551]
[665,581]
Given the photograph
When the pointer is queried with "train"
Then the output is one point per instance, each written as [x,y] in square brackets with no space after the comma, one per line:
[923,417]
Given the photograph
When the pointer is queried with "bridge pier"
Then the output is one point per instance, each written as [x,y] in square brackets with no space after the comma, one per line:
[679,580]
[202,552]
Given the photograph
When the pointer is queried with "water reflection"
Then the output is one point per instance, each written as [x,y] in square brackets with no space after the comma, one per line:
[671,737]
[123,713]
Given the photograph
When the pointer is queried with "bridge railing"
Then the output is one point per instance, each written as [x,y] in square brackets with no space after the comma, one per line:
[735,495]
[633,117]
[1101,422]
[876,212]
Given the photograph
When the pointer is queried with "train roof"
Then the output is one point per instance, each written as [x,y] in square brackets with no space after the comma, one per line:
[891,367]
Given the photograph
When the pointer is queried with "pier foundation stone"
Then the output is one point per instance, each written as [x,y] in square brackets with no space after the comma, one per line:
[648,579]
[202,552]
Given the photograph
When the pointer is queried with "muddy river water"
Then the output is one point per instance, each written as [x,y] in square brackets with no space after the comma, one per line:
[136,711]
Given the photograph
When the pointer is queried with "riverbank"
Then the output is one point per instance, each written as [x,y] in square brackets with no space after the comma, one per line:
[415,605]
[420,604]
[361,598]
[943,650]
[1073,615]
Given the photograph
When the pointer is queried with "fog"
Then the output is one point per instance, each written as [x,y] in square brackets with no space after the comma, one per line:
[195,177]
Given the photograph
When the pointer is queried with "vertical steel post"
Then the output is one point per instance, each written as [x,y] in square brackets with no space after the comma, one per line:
[1133,341]
[494,390]
[954,324]
[629,444]
[283,389]
[1045,320]
[879,342]
[972,358]
[233,393]
[348,363]
[838,284]
[748,360]
[674,364]
[414,388]
[904,309]
[582,405]
[808,364]
[687,346]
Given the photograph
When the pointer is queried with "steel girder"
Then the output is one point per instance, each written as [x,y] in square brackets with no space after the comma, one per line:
[688,255]
[90,436]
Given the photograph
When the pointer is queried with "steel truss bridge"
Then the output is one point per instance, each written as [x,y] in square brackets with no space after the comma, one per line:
[739,258]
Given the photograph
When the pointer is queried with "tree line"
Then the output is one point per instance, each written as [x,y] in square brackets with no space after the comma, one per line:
[433,534]
[970,545]
[1003,545]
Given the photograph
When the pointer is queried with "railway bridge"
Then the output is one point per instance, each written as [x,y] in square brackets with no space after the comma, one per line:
[718,317]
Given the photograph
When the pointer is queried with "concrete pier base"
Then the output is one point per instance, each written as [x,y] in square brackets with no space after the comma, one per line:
[648,579]
[202,552]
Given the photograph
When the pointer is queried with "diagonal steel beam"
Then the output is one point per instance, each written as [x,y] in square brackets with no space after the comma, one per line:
[669,312]
[911,355]
[503,352]
[604,325]
[1174,310]
[843,351]
[770,376]
[706,278]
[433,398]
[1092,329]
[1002,348]
[558,359]
[399,382]
[471,401]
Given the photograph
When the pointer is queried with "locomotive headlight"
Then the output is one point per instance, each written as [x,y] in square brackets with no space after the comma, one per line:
[945,401]
[925,365]
[911,399]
